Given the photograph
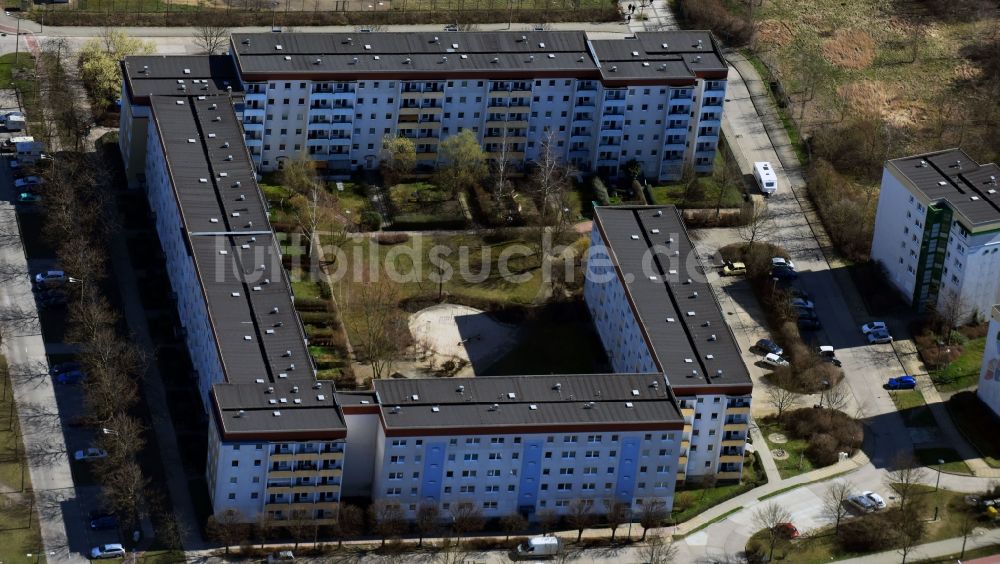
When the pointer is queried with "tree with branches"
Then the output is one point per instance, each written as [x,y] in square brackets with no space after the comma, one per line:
[768,518]
[350,523]
[428,520]
[616,513]
[211,39]
[659,549]
[835,501]
[399,157]
[226,527]
[379,326]
[652,515]
[468,519]
[549,180]
[463,163]
[756,219]
[513,523]
[780,398]
[581,516]
[905,478]
[387,520]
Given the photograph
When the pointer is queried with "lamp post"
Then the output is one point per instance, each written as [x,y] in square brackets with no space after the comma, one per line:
[826,386]
[938,482]
[274,7]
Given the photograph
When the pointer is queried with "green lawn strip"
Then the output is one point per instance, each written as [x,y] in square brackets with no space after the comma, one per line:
[963,372]
[19,534]
[786,119]
[691,502]
[26,87]
[305,289]
[911,406]
[953,463]
[821,545]
[796,463]
[673,193]
[711,522]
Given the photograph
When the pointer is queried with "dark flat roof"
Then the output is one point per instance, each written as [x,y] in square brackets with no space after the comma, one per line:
[676,308]
[180,75]
[953,177]
[426,55]
[282,409]
[506,401]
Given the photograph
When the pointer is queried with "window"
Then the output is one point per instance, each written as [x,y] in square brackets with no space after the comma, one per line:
[232,480]
[236,463]
[395,475]
[493,472]
[569,454]
[398,443]
[489,505]
[472,441]
[232,496]
[467,489]
[566,471]
[492,489]
[468,457]
[468,473]
[496,440]
[393,491]
[496,456]
[564,487]
[397,459]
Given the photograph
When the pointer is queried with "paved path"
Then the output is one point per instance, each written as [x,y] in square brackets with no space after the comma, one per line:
[978,539]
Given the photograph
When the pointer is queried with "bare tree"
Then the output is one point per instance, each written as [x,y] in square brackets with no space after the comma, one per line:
[468,519]
[905,478]
[659,549]
[379,328]
[211,39]
[264,526]
[965,527]
[428,520]
[755,220]
[581,515]
[950,311]
[781,399]
[836,396]
[122,438]
[835,501]
[910,533]
[652,515]
[227,528]
[768,518]
[298,525]
[87,317]
[548,520]
[513,523]
[617,513]
[123,485]
[387,520]
[502,188]
[549,180]
[350,523]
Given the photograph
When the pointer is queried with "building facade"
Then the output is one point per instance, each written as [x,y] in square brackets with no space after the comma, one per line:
[937,232]
[286,445]
[653,101]
[989,373]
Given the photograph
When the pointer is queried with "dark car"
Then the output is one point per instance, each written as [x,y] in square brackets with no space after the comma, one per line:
[901,383]
[811,324]
[786,531]
[63,367]
[765,346]
[71,377]
[784,273]
[806,313]
[102,522]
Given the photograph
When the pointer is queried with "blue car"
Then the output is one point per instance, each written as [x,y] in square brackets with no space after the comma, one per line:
[70,377]
[103,522]
[784,273]
[765,346]
[901,383]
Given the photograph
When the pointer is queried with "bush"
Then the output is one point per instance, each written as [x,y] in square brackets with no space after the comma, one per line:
[822,450]
[370,220]
[828,432]
[713,15]
[387,238]
[311,304]
[638,192]
[600,192]
[847,211]
[316,318]
[868,533]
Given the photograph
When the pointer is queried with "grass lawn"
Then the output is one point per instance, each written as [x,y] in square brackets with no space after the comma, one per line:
[963,372]
[821,545]
[911,405]
[22,74]
[796,463]
[674,193]
[689,502]
[418,203]
[977,423]
[952,461]
[25,63]
[19,534]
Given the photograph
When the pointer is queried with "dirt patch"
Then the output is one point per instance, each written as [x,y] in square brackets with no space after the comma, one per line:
[850,49]
[774,33]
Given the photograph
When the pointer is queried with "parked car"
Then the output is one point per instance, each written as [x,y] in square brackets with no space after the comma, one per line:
[784,273]
[875,498]
[797,293]
[874,326]
[102,522]
[71,377]
[28,198]
[879,337]
[92,453]
[787,530]
[734,269]
[108,551]
[802,302]
[282,556]
[28,181]
[774,360]
[780,262]
[14,164]
[810,324]
[806,313]
[901,383]
[765,346]
[63,367]
[862,503]
[828,354]
[50,278]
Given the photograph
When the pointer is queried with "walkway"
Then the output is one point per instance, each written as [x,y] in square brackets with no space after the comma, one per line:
[978,539]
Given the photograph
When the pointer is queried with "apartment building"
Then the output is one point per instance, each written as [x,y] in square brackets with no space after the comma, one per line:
[282,443]
[989,373]
[597,104]
[937,231]
[656,314]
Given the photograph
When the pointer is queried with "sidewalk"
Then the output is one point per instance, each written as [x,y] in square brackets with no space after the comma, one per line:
[932,549]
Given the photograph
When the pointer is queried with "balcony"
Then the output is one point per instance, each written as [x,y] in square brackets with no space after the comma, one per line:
[731,458]
[734,427]
[738,410]
[728,475]
[426,156]
[301,506]
[409,111]
[685,444]
[687,412]
[682,461]
[681,476]
[733,442]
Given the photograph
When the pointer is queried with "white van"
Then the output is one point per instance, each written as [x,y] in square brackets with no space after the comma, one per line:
[538,547]
[766,179]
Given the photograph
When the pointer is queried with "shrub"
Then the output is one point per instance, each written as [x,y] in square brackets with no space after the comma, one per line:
[638,192]
[316,318]
[828,432]
[370,220]
[713,15]
[388,238]
[822,450]
[311,304]
[847,211]
[868,533]
[600,192]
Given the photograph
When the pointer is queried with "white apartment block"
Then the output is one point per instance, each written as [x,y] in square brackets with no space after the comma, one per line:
[937,231]
[655,313]
[655,98]
[989,373]
[284,444]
